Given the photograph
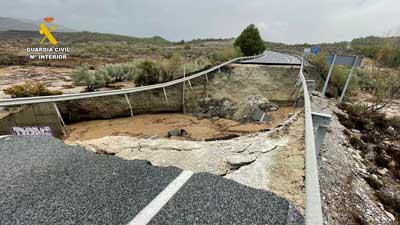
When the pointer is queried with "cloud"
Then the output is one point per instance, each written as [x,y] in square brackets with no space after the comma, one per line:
[278,20]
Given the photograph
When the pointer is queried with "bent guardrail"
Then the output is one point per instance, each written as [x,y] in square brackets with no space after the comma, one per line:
[67,97]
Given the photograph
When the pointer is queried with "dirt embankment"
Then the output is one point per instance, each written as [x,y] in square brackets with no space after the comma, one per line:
[346,195]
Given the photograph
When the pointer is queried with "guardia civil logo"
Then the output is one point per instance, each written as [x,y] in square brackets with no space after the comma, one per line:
[43,52]
[46,32]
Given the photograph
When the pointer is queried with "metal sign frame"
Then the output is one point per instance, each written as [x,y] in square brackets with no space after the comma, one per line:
[353,61]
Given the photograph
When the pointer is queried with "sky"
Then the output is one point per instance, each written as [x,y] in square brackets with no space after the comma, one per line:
[287,21]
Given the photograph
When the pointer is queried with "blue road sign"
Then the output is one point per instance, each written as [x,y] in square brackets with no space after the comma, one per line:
[315,50]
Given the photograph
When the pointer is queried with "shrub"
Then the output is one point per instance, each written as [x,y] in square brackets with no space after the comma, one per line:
[5,60]
[187,47]
[91,79]
[116,71]
[226,55]
[172,67]
[30,89]
[339,73]
[147,74]
[130,70]
[196,65]
[389,56]
[250,41]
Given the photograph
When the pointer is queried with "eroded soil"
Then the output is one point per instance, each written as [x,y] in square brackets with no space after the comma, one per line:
[159,125]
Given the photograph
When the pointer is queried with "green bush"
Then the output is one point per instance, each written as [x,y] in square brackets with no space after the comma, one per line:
[30,89]
[148,73]
[250,41]
[82,76]
[116,71]
[130,70]
[187,47]
[339,73]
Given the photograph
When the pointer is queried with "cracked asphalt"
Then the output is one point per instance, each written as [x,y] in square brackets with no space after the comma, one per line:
[44,181]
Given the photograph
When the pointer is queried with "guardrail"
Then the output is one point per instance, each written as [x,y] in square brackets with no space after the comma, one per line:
[313,207]
[68,97]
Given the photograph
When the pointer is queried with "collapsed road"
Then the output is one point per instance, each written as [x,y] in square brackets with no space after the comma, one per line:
[44,181]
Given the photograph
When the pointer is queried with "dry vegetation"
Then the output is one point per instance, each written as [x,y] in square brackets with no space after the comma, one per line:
[102,60]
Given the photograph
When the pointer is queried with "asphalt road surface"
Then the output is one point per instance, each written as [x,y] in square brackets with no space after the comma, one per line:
[44,181]
[274,58]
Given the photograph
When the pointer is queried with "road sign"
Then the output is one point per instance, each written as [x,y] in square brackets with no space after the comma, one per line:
[315,50]
[344,60]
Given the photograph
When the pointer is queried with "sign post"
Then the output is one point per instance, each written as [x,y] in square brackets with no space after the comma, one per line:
[342,60]
[329,76]
[348,79]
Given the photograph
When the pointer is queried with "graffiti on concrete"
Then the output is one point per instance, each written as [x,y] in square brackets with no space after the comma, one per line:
[32,131]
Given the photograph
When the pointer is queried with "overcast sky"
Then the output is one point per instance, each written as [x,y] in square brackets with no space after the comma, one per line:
[289,21]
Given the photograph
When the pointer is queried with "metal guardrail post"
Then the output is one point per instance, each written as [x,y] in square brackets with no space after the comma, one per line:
[165,94]
[321,123]
[329,76]
[183,91]
[190,84]
[310,87]
[60,118]
[129,103]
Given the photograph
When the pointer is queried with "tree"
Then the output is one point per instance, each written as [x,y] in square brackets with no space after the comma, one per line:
[250,41]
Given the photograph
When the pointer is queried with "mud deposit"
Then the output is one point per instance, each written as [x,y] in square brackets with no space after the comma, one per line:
[150,125]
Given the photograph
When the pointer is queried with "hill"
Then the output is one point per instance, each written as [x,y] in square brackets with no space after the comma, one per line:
[7,23]
[81,37]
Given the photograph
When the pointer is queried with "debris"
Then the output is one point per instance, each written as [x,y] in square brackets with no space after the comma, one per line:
[237,161]
[259,115]
[177,133]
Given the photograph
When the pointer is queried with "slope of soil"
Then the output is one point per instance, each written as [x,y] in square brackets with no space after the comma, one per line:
[346,196]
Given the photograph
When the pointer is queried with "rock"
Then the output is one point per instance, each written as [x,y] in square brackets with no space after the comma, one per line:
[215,118]
[392,164]
[268,106]
[389,198]
[374,181]
[390,130]
[356,133]
[247,108]
[221,108]
[177,133]
[391,217]
[236,161]
[260,115]
[370,156]
[382,171]
[316,93]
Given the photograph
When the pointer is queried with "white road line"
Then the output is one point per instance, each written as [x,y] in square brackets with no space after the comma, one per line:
[147,213]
